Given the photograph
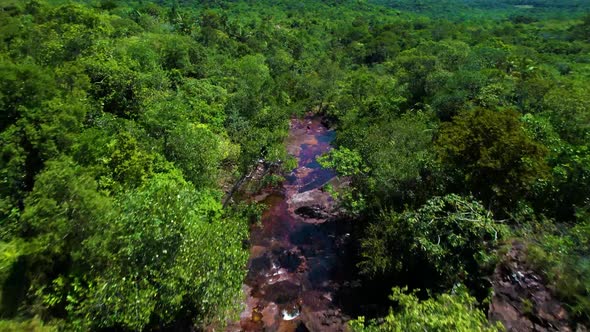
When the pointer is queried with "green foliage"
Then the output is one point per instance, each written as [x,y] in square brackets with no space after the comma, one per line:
[92,106]
[120,121]
[562,257]
[137,263]
[492,154]
[153,264]
[395,148]
[394,158]
[399,154]
[454,311]
[344,161]
[33,325]
[10,251]
[200,166]
[130,166]
[570,170]
[23,86]
[569,111]
[450,239]
[63,208]
[61,212]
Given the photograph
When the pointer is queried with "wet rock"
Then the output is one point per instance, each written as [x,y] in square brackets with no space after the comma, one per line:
[291,259]
[256,315]
[324,320]
[257,251]
[313,211]
[261,197]
[310,197]
[283,292]
[270,314]
[277,275]
[302,268]
[258,267]
[290,326]
[301,327]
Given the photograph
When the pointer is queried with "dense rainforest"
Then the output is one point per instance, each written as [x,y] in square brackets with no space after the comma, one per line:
[462,128]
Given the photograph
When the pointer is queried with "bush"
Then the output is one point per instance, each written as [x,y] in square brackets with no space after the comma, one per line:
[564,261]
[448,239]
[455,311]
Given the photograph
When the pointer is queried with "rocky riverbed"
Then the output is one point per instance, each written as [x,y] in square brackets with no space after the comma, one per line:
[295,252]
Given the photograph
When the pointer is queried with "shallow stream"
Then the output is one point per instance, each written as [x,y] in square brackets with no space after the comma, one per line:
[294,253]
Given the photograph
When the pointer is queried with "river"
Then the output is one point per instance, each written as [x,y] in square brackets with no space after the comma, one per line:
[293,270]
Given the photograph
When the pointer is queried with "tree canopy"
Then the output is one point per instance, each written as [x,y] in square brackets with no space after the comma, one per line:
[123,123]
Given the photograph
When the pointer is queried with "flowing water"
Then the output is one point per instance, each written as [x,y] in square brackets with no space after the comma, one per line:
[295,251]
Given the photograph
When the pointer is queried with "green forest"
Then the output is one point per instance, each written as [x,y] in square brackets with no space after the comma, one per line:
[463,128]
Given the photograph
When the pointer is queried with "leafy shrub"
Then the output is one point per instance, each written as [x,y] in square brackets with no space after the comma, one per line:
[449,239]
[563,257]
[454,311]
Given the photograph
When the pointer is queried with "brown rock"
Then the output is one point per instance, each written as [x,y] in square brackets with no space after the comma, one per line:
[521,301]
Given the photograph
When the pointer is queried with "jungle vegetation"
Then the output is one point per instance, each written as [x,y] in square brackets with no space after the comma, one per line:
[461,125]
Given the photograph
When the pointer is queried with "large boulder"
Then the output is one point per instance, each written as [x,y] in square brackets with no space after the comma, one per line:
[314,211]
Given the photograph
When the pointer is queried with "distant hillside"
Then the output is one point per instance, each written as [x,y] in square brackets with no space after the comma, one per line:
[467,9]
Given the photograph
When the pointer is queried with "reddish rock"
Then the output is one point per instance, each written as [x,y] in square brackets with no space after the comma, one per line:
[521,300]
